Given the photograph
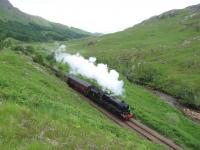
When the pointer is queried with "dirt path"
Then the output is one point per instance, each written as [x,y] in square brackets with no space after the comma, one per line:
[192,114]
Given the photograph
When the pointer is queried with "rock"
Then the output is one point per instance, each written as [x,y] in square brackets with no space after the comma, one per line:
[168,14]
[194,8]
[5,4]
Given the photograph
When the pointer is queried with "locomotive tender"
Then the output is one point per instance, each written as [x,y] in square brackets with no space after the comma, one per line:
[110,103]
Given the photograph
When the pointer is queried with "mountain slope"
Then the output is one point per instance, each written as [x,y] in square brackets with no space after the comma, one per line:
[21,26]
[38,111]
[147,107]
[47,103]
[162,52]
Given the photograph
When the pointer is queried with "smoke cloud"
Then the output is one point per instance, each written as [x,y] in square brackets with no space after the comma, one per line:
[107,79]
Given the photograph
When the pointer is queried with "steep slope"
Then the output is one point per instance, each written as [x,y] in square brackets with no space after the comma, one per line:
[162,52]
[19,25]
[38,111]
[150,109]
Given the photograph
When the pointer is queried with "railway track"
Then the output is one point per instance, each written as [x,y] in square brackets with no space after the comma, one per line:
[151,134]
[135,126]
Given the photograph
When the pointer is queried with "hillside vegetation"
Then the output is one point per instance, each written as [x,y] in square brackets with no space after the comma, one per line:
[147,107]
[24,27]
[38,111]
[162,52]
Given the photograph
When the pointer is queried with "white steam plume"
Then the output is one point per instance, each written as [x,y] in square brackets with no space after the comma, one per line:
[107,79]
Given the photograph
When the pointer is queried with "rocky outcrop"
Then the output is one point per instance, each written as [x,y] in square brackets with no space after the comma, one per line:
[5,4]
[194,8]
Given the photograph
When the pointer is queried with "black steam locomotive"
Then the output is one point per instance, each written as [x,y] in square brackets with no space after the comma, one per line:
[110,103]
[115,106]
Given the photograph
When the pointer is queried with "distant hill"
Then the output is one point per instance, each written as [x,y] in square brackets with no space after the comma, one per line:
[16,24]
[162,52]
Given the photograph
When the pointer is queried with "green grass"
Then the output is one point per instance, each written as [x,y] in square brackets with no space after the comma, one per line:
[151,110]
[156,52]
[162,52]
[38,111]
[162,117]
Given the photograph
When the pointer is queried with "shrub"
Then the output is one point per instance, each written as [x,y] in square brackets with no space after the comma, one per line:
[18,48]
[9,42]
[145,73]
[50,57]
[30,49]
[184,91]
[38,59]
[189,95]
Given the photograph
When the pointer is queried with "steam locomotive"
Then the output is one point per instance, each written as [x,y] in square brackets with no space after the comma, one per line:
[108,102]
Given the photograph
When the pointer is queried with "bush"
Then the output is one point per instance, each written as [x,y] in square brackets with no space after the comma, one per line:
[30,49]
[9,42]
[38,59]
[145,73]
[18,48]
[188,94]
[50,57]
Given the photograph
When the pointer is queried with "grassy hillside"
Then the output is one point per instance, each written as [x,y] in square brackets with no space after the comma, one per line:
[150,109]
[24,27]
[38,111]
[162,52]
